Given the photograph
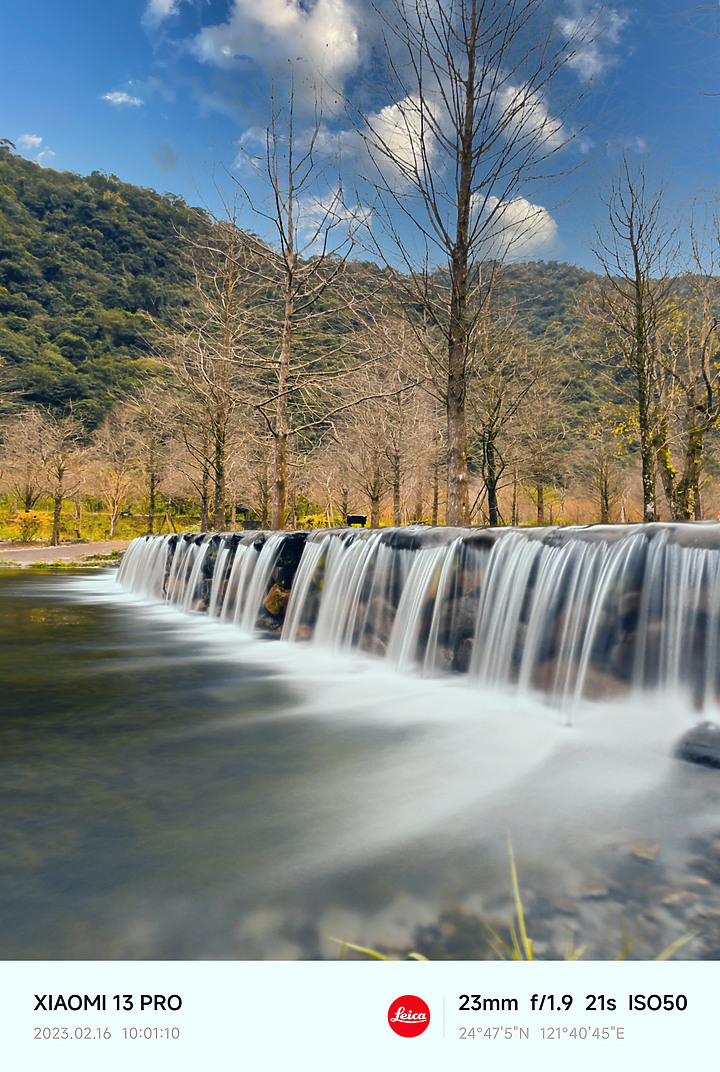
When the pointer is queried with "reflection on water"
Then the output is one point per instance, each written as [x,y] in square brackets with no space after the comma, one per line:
[170,789]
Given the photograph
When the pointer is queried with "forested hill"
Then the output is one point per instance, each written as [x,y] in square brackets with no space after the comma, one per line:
[83,261]
[546,293]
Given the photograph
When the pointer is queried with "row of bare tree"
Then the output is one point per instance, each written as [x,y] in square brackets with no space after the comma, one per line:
[281,377]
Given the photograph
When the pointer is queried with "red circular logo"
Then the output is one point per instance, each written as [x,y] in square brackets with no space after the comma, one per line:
[408,1016]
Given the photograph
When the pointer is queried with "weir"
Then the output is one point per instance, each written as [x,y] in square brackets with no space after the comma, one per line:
[598,612]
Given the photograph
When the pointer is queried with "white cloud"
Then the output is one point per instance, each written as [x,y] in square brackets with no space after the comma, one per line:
[401,133]
[321,215]
[159,10]
[121,98]
[525,115]
[516,229]
[595,32]
[323,35]
[28,143]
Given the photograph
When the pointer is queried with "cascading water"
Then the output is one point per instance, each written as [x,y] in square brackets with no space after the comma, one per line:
[362,775]
[593,612]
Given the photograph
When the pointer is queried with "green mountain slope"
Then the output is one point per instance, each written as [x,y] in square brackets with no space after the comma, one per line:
[82,263]
[85,263]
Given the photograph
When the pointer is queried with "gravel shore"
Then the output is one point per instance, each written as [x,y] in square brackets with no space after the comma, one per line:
[37,555]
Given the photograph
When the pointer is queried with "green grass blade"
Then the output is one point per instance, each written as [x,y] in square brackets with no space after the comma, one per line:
[677,944]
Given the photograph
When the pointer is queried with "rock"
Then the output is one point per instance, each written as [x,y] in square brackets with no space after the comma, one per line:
[288,560]
[276,601]
[470,581]
[644,851]
[593,893]
[568,908]
[603,685]
[462,656]
[701,745]
[678,897]
[554,676]
[373,645]
[380,618]
[402,539]
[481,538]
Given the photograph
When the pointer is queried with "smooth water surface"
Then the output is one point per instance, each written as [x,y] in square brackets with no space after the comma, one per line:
[172,789]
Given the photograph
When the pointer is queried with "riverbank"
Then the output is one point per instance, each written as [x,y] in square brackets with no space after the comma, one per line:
[92,553]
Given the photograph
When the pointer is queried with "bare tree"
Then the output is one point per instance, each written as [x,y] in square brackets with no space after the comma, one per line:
[600,460]
[152,427]
[304,269]
[690,377]
[636,250]
[115,464]
[209,355]
[507,367]
[23,460]
[333,479]
[541,439]
[468,125]
[63,462]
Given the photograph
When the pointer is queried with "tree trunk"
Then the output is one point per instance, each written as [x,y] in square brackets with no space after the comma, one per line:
[436,493]
[492,478]
[375,495]
[396,480]
[457,474]
[642,374]
[279,489]
[648,471]
[219,521]
[152,480]
[515,496]
[683,494]
[57,509]
[204,495]
[418,511]
[540,491]
[688,491]
[279,495]
[667,472]
[604,498]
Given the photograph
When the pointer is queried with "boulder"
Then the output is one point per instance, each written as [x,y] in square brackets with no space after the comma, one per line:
[276,601]
[701,745]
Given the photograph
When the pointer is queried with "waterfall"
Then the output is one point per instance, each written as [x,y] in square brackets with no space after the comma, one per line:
[595,612]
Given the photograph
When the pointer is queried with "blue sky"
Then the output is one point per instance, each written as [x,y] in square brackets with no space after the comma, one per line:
[159,92]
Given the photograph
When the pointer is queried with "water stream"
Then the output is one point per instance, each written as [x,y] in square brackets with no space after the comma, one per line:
[254,744]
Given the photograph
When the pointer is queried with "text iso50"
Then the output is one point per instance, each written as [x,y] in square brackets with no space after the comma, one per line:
[657,1002]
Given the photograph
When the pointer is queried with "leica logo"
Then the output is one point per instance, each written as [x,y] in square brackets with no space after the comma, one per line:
[408,1016]
[402,1015]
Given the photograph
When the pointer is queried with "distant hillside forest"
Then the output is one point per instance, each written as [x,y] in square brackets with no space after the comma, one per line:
[156,362]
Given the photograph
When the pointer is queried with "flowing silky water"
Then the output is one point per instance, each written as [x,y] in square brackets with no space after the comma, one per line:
[432,692]
[602,612]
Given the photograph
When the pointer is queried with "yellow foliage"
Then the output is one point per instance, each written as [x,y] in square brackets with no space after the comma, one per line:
[27,523]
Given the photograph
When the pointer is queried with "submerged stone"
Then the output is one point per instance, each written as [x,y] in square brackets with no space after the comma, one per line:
[701,745]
